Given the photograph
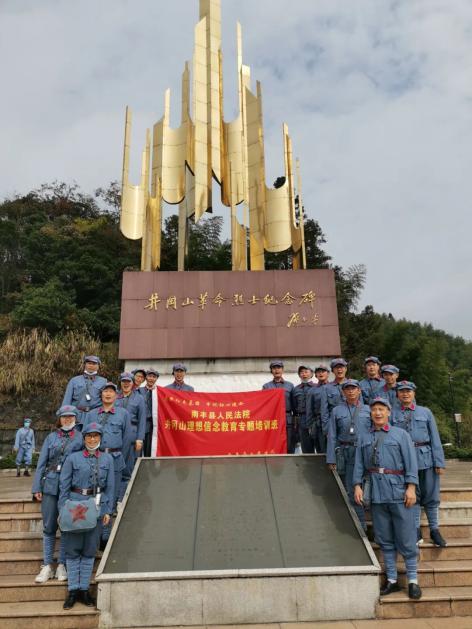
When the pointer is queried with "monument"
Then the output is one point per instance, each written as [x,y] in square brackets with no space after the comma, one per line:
[220,322]
[227,539]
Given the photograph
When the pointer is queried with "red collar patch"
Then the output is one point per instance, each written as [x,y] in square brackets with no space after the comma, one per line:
[102,410]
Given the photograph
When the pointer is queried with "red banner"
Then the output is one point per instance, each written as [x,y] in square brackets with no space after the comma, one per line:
[206,424]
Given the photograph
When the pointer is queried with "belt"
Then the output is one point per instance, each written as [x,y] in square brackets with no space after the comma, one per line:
[111,450]
[86,409]
[421,443]
[384,470]
[83,492]
[134,423]
[348,443]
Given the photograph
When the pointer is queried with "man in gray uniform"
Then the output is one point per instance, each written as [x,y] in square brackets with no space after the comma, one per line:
[300,397]
[314,408]
[371,385]
[178,371]
[332,394]
[152,376]
[386,457]
[420,424]
[278,382]
[84,391]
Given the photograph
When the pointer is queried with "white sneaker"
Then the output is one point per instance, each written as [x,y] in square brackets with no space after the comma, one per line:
[45,574]
[61,572]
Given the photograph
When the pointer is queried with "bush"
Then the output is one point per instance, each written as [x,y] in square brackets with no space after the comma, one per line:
[8,462]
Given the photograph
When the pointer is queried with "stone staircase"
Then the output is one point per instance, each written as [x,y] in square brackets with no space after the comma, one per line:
[25,604]
[444,574]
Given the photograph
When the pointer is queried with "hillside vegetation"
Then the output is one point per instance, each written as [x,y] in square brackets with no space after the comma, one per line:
[60,286]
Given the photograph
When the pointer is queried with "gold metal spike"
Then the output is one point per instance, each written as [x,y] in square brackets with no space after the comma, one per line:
[186,160]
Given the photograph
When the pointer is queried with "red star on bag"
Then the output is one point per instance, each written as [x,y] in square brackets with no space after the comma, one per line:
[78,512]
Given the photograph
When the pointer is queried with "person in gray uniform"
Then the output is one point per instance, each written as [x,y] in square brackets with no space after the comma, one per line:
[179,370]
[315,395]
[152,375]
[116,439]
[278,382]
[300,402]
[385,456]
[388,391]
[348,421]
[139,376]
[332,394]
[56,448]
[420,424]
[130,399]
[86,473]
[24,447]
[373,382]
[83,391]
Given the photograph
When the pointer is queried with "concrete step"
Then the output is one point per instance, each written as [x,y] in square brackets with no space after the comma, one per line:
[19,506]
[456,494]
[450,529]
[435,602]
[17,588]
[455,510]
[18,541]
[47,615]
[25,562]
[456,550]
[434,574]
[448,511]
[20,522]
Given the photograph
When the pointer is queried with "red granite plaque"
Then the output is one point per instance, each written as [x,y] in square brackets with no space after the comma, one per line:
[228,314]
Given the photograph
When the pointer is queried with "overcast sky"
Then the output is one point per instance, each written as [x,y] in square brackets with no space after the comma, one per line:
[377,95]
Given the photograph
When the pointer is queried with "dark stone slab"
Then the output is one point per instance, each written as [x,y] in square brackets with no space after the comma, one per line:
[235,513]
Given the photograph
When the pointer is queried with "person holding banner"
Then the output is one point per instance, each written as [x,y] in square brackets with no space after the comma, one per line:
[278,382]
[152,376]
[178,371]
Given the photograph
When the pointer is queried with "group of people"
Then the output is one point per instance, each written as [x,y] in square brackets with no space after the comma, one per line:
[384,446]
[100,432]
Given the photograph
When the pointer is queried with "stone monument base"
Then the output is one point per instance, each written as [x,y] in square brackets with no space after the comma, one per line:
[235,540]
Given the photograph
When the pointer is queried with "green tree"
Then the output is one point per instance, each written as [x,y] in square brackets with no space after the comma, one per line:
[50,307]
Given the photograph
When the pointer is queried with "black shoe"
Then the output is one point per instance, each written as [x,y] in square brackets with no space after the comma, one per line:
[71,599]
[437,538]
[26,473]
[419,536]
[414,591]
[87,598]
[18,473]
[389,588]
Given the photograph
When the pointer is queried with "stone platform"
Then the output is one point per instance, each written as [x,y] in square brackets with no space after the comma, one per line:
[225,540]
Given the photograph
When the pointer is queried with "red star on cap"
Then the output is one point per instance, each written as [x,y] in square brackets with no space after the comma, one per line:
[78,512]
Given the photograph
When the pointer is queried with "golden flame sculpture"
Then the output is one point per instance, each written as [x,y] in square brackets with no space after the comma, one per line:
[185,161]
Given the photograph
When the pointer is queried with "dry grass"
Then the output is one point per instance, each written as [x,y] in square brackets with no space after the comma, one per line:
[33,361]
